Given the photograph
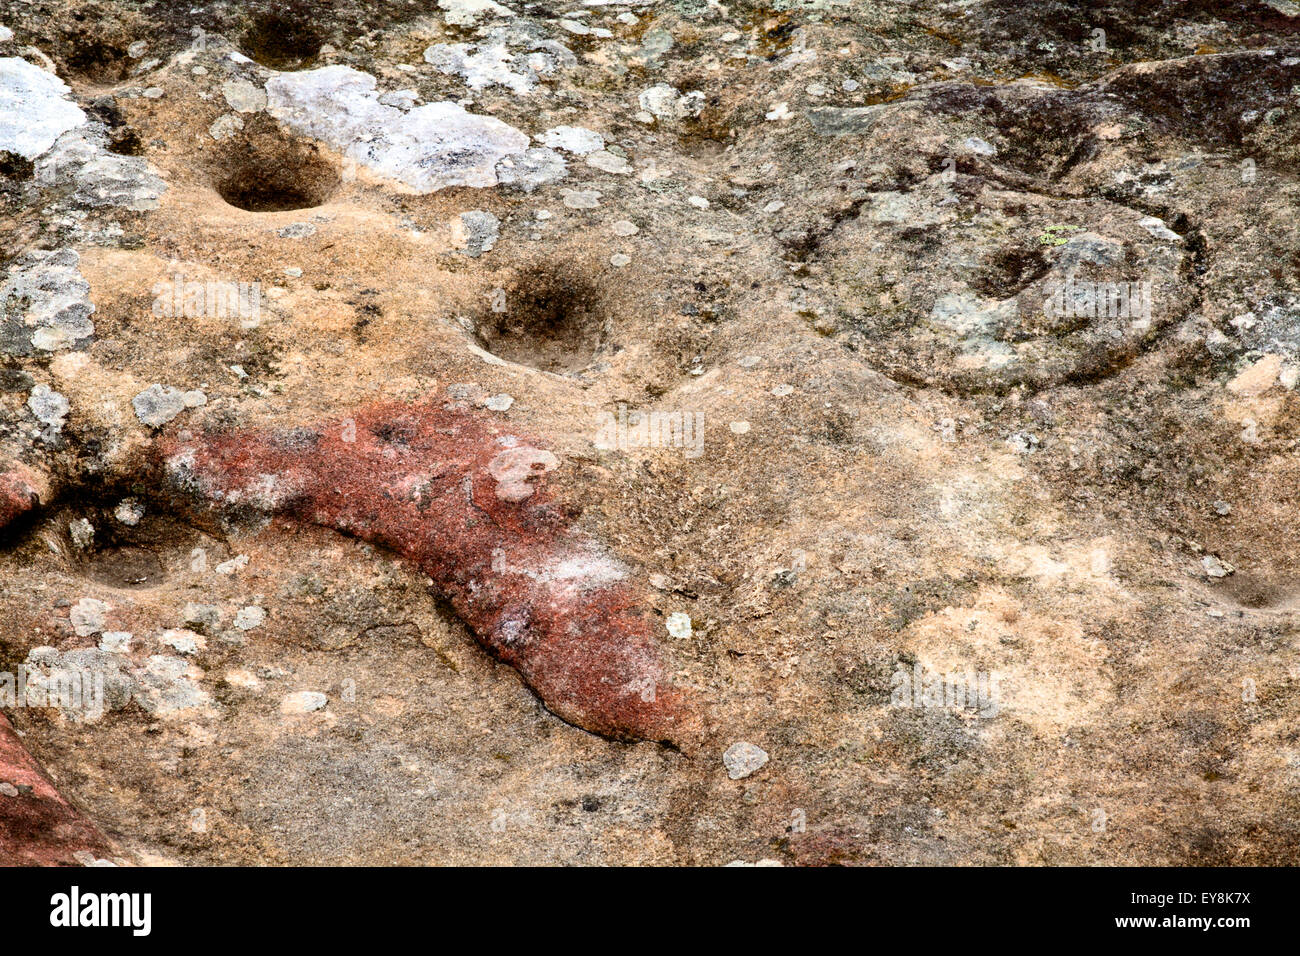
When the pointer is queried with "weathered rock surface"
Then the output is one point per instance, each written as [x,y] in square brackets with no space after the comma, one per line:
[796,433]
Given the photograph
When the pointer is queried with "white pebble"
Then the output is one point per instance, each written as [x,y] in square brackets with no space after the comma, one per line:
[1215,568]
[116,642]
[184,641]
[303,702]
[82,533]
[129,511]
[247,618]
[741,759]
[237,563]
[87,616]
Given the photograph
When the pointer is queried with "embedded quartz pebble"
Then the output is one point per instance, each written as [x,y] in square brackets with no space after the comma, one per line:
[468,505]
[428,147]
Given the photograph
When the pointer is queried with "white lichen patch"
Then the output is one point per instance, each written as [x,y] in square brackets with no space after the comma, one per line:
[428,147]
[35,108]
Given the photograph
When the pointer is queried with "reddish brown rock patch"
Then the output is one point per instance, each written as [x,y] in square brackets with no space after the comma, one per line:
[37,826]
[468,504]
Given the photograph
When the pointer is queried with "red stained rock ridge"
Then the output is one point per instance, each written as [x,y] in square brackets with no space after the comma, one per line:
[461,500]
[38,827]
[469,506]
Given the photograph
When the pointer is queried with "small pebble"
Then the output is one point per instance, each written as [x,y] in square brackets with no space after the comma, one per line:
[297,230]
[87,616]
[1215,568]
[608,162]
[303,702]
[82,533]
[237,563]
[185,642]
[741,759]
[115,642]
[129,511]
[247,618]
[242,679]
[49,407]
[158,404]
[679,625]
